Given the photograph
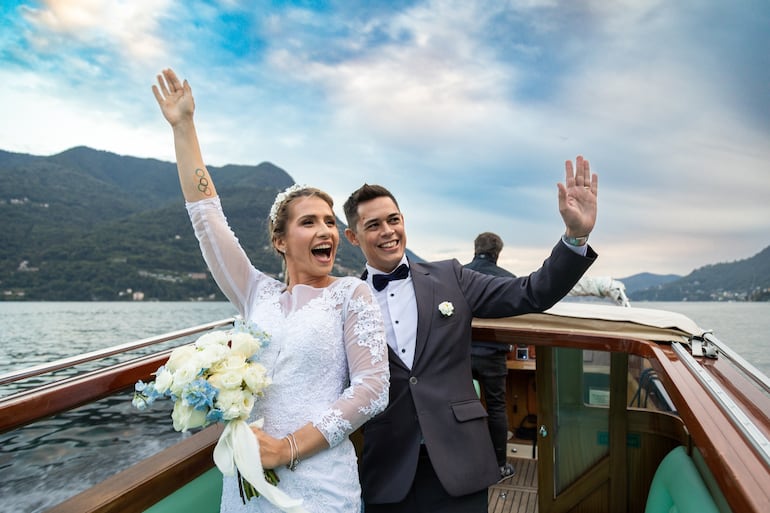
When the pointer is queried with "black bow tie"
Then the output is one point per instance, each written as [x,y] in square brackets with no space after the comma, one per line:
[380,281]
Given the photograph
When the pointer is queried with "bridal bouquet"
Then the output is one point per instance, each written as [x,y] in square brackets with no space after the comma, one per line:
[215,379]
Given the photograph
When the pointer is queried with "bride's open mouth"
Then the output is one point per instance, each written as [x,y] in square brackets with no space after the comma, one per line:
[323,250]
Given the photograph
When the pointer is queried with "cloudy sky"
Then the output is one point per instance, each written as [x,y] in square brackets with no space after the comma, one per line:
[465,109]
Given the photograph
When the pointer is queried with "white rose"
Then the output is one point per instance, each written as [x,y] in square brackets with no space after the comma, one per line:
[232,363]
[213,338]
[179,356]
[256,378]
[215,380]
[446,308]
[184,375]
[244,345]
[247,404]
[230,380]
[210,355]
[235,404]
[186,417]
[163,380]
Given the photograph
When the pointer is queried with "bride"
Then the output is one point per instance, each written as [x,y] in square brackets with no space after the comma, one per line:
[327,352]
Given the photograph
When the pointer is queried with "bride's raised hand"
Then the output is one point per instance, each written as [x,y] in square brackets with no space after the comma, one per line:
[174,97]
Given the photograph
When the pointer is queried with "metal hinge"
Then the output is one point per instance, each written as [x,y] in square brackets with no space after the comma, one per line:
[702,346]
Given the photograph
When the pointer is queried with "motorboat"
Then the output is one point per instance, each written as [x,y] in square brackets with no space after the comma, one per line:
[611,408]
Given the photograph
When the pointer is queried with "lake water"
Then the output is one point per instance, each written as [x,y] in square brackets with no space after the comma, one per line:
[37,462]
[95,441]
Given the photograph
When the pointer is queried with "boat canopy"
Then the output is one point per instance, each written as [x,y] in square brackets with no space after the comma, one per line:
[598,319]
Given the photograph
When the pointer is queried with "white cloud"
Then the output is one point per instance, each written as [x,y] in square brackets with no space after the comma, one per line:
[430,97]
[44,124]
[441,87]
[127,27]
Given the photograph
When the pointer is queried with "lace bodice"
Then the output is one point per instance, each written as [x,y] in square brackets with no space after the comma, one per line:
[327,356]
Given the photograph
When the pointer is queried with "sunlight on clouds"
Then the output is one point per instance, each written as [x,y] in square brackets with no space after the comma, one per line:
[128,26]
[441,86]
[473,105]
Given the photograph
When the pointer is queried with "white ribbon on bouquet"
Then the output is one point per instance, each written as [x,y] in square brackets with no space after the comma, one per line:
[238,448]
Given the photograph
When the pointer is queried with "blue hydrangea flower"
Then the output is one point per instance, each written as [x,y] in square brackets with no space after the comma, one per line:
[215,415]
[144,395]
[200,395]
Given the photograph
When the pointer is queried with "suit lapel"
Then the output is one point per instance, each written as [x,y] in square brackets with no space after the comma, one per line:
[424,295]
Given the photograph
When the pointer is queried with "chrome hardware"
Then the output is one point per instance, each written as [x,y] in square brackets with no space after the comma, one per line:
[702,346]
[543,431]
[753,434]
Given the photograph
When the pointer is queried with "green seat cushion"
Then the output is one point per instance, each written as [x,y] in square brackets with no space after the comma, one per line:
[677,487]
[201,495]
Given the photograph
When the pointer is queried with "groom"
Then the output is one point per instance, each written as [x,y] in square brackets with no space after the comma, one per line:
[430,449]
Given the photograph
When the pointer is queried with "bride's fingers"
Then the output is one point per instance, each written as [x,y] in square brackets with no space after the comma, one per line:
[162,85]
[157,94]
[173,81]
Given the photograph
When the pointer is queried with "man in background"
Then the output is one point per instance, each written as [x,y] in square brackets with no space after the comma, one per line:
[488,359]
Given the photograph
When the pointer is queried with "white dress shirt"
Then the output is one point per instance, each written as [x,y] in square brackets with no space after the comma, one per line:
[399,313]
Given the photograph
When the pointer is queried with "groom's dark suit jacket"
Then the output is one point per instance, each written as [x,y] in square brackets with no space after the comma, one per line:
[435,402]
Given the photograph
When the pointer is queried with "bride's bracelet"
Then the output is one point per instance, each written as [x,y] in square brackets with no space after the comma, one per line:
[294,450]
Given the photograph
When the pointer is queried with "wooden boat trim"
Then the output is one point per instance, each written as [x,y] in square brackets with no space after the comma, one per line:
[751,399]
[730,407]
[149,481]
[25,407]
[592,480]
[748,369]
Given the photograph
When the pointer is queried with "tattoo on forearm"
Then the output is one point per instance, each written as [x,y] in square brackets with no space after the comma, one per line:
[203,182]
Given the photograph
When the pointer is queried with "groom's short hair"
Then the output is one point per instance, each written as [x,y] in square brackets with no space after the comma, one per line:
[361,195]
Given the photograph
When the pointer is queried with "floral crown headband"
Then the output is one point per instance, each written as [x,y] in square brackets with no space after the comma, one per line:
[281,197]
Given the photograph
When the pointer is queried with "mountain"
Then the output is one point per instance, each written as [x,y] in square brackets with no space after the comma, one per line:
[93,225]
[643,281]
[742,280]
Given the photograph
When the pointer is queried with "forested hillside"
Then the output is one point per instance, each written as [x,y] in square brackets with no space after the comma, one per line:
[742,280]
[92,225]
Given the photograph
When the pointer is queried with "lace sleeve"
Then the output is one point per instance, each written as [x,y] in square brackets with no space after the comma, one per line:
[367,355]
[222,252]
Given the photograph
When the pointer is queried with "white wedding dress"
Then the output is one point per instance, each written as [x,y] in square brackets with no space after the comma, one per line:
[327,358]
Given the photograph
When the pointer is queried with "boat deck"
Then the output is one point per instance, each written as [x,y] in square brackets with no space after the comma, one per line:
[517,494]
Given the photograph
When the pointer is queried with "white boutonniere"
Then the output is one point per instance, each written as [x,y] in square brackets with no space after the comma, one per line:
[446,308]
